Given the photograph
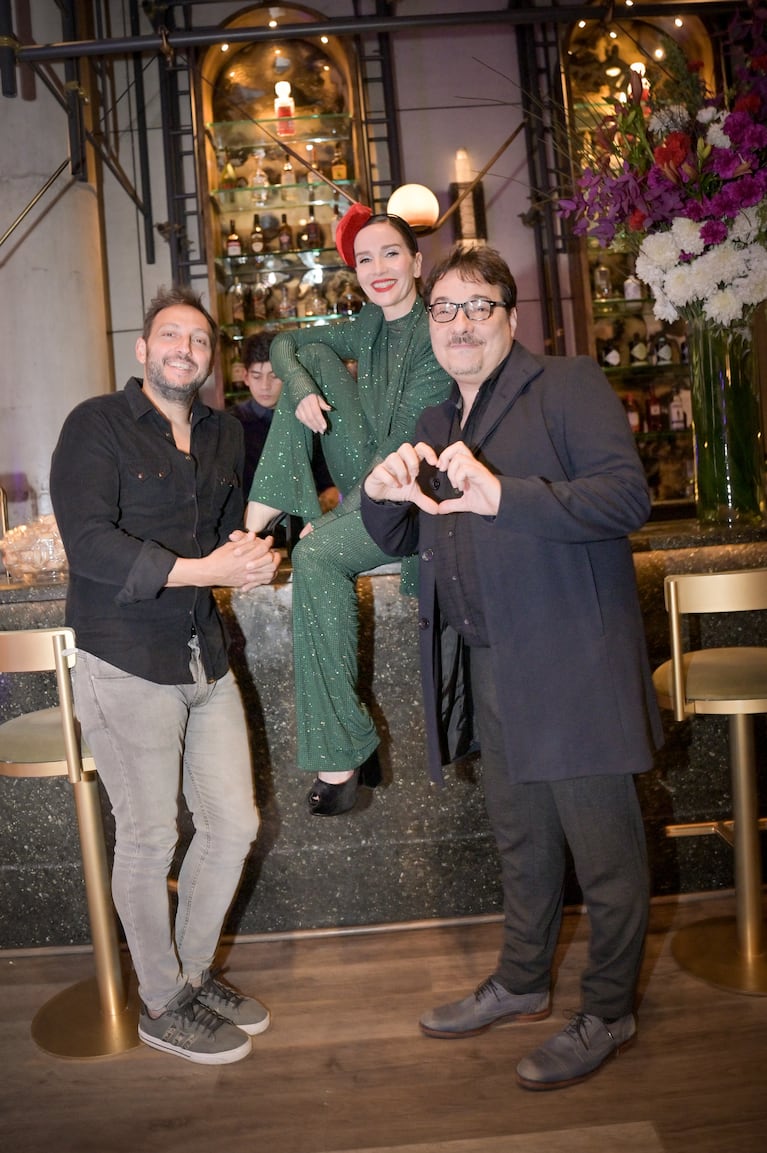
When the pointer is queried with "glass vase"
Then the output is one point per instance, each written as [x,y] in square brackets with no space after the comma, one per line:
[729,455]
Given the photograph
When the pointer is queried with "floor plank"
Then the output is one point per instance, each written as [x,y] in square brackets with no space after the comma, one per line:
[344,1068]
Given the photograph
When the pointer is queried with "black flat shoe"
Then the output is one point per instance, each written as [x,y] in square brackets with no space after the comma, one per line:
[326,800]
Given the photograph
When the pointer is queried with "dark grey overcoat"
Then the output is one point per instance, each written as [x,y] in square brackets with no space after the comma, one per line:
[557,577]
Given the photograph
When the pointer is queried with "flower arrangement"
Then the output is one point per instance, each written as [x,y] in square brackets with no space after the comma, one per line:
[679,177]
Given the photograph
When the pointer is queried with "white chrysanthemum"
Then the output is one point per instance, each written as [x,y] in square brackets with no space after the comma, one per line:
[706,115]
[723,307]
[716,136]
[663,309]
[682,285]
[661,249]
[686,233]
[648,271]
[720,266]
[747,224]
[751,289]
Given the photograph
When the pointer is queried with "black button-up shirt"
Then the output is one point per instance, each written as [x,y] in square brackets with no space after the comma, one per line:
[128,503]
[457,572]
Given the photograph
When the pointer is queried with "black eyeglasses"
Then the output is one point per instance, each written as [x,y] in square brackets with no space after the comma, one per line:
[478,309]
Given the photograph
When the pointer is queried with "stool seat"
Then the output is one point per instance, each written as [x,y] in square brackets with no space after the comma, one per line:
[32,745]
[718,681]
[728,681]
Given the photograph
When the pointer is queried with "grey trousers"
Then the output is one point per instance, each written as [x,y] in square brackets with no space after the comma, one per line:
[600,819]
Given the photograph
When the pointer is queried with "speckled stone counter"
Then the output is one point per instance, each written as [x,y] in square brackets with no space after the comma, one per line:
[409,851]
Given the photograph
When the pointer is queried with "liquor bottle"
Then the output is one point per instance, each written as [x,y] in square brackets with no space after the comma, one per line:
[611,354]
[316,304]
[236,294]
[603,285]
[632,291]
[662,352]
[633,413]
[228,175]
[285,236]
[313,232]
[260,295]
[259,181]
[288,180]
[285,307]
[656,412]
[677,417]
[637,350]
[284,109]
[233,242]
[257,241]
[338,169]
[334,223]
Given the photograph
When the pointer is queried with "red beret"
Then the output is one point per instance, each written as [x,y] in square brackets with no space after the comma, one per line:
[348,226]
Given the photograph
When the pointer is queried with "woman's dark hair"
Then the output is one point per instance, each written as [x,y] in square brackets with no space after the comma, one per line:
[178,294]
[402,226]
[478,264]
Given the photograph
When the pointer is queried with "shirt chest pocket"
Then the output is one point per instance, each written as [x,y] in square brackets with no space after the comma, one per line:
[147,484]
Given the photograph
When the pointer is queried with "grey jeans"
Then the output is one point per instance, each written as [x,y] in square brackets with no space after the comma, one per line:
[152,742]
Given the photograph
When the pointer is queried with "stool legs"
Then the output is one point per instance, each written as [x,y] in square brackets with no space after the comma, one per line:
[748,861]
[92,1019]
[730,953]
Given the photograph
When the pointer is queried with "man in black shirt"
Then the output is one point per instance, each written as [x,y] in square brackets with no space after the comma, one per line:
[530,625]
[146,488]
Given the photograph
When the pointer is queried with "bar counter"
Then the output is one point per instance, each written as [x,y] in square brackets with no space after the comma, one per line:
[410,851]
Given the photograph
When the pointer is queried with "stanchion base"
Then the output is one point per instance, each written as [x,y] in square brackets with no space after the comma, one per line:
[709,950]
[72,1025]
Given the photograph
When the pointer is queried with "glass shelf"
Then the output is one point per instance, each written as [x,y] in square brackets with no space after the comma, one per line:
[272,197]
[238,135]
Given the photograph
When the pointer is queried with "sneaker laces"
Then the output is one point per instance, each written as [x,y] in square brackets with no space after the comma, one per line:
[194,1016]
[220,992]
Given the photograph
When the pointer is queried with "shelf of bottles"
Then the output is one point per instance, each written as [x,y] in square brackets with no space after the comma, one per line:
[276,264]
[646,362]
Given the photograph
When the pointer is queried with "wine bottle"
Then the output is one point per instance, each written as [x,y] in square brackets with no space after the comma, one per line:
[288,180]
[285,236]
[338,168]
[233,242]
[257,242]
[313,232]
[259,181]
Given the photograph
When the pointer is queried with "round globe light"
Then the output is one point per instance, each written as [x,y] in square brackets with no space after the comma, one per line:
[416,204]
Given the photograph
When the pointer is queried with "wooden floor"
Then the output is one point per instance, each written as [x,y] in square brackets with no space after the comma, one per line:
[344,1067]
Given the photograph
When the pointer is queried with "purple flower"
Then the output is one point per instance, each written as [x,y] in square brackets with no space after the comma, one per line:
[746,135]
[713,232]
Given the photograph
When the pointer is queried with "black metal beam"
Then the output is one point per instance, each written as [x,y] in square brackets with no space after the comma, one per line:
[202,37]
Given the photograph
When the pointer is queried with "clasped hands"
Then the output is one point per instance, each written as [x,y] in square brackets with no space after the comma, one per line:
[396,478]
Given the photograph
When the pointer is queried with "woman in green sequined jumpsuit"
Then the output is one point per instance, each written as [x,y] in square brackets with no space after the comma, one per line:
[361,421]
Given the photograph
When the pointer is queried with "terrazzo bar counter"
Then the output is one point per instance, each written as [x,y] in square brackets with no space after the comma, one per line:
[410,851]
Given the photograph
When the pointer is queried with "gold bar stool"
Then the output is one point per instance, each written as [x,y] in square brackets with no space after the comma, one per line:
[732,682]
[93,1018]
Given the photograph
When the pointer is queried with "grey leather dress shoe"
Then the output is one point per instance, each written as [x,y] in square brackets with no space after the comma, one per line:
[490,1004]
[577,1052]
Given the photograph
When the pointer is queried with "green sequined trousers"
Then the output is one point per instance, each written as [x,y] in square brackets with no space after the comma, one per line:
[370,417]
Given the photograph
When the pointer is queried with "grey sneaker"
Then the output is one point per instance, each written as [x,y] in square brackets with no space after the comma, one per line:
[490,1004]
[577,1052]
[190,1030]
[246,1013]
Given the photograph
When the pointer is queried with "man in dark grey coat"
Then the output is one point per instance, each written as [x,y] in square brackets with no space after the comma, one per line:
[531,634]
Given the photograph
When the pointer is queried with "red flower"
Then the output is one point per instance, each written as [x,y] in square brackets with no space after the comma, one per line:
[636,220]
[748,103]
